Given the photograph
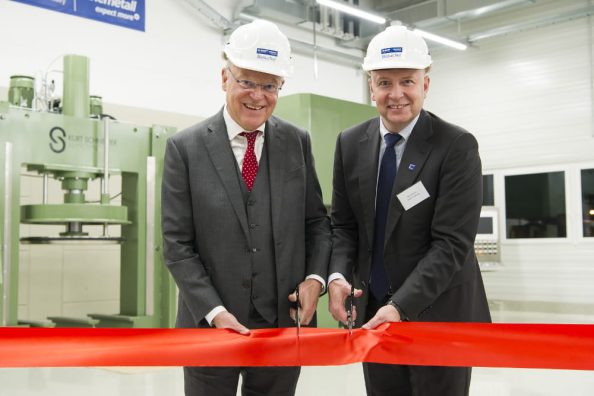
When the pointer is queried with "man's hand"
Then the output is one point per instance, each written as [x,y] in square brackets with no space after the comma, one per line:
[387,313]
[225,320]
[309,292]
[338,291]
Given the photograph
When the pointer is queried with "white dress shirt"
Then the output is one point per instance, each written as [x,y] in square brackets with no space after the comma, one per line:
[239,143]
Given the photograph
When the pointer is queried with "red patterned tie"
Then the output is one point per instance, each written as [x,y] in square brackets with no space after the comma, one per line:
[249,170]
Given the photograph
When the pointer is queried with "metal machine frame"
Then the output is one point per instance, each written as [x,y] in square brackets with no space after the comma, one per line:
[69,145]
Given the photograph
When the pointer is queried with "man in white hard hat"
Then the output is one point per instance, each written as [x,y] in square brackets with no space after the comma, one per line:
[405,211]
[244,223]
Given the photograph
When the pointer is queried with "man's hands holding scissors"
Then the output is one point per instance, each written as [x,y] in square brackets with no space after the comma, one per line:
[338,292]
[309,292]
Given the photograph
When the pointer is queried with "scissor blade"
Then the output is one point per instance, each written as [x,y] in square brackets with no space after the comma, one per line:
[298,317]
[350,310]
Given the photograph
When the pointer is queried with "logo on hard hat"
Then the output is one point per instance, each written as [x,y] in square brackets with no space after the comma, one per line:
[391,52]
[266,54]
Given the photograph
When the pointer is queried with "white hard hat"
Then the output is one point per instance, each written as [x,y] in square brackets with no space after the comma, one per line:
[397,48]
[260,46]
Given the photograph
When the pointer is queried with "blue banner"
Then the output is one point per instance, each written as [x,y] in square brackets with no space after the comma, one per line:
[126,13]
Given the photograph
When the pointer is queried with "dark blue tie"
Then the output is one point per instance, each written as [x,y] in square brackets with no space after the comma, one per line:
[379,283]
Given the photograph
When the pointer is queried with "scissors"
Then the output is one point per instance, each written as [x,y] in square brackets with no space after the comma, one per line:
[350,301]
[297,306]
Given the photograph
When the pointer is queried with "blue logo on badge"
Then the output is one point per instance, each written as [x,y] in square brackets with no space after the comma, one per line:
[267,52]
[391,50]
[411,167]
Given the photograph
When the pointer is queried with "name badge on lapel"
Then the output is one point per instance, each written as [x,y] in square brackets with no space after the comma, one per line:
[413,195]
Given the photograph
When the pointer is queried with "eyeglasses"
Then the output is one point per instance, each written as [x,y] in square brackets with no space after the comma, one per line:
[247,84]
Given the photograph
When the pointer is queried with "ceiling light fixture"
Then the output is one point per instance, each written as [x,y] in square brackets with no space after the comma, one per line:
[352,11]
[496,6]
[442,40]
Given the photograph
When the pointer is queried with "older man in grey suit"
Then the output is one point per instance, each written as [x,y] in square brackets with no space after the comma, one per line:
[243,219]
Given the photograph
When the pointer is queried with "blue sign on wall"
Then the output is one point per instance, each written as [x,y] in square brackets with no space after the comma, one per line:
[126,13]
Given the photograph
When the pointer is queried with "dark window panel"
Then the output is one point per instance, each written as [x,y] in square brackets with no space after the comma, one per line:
[488,192]
[588,201]
[535,205]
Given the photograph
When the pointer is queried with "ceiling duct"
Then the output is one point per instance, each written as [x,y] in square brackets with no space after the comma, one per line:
[287,11]
[427,10]
[530,25]
[435,12]
[211,14]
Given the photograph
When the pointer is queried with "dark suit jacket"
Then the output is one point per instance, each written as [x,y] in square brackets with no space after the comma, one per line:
[205,228]
[429,252]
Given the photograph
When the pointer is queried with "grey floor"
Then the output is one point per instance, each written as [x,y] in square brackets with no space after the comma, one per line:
[314,381]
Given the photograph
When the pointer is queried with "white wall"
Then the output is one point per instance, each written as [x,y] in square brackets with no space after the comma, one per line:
[527,97]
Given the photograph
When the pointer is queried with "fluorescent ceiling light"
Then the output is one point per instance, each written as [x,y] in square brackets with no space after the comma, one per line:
[441,40]
[500,5]
[352,11]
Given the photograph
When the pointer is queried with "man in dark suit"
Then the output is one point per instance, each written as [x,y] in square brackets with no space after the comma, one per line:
[243,218]
[405,211]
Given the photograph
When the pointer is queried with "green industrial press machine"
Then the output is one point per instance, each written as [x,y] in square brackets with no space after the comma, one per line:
[69,140]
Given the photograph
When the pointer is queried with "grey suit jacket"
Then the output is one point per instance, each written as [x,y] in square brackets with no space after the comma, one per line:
[429,249]
[205,228]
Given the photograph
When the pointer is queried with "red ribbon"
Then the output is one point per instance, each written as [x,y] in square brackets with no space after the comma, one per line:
[555,346]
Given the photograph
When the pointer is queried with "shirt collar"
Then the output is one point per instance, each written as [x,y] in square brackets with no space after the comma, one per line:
[405,132]
[233,128]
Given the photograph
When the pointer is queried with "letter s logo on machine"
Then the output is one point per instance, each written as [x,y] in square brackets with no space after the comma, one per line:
[58,143]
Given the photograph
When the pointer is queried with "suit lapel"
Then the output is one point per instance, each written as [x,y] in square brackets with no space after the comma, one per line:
[416,153]
[368,163]
[219,151]
[277,160]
